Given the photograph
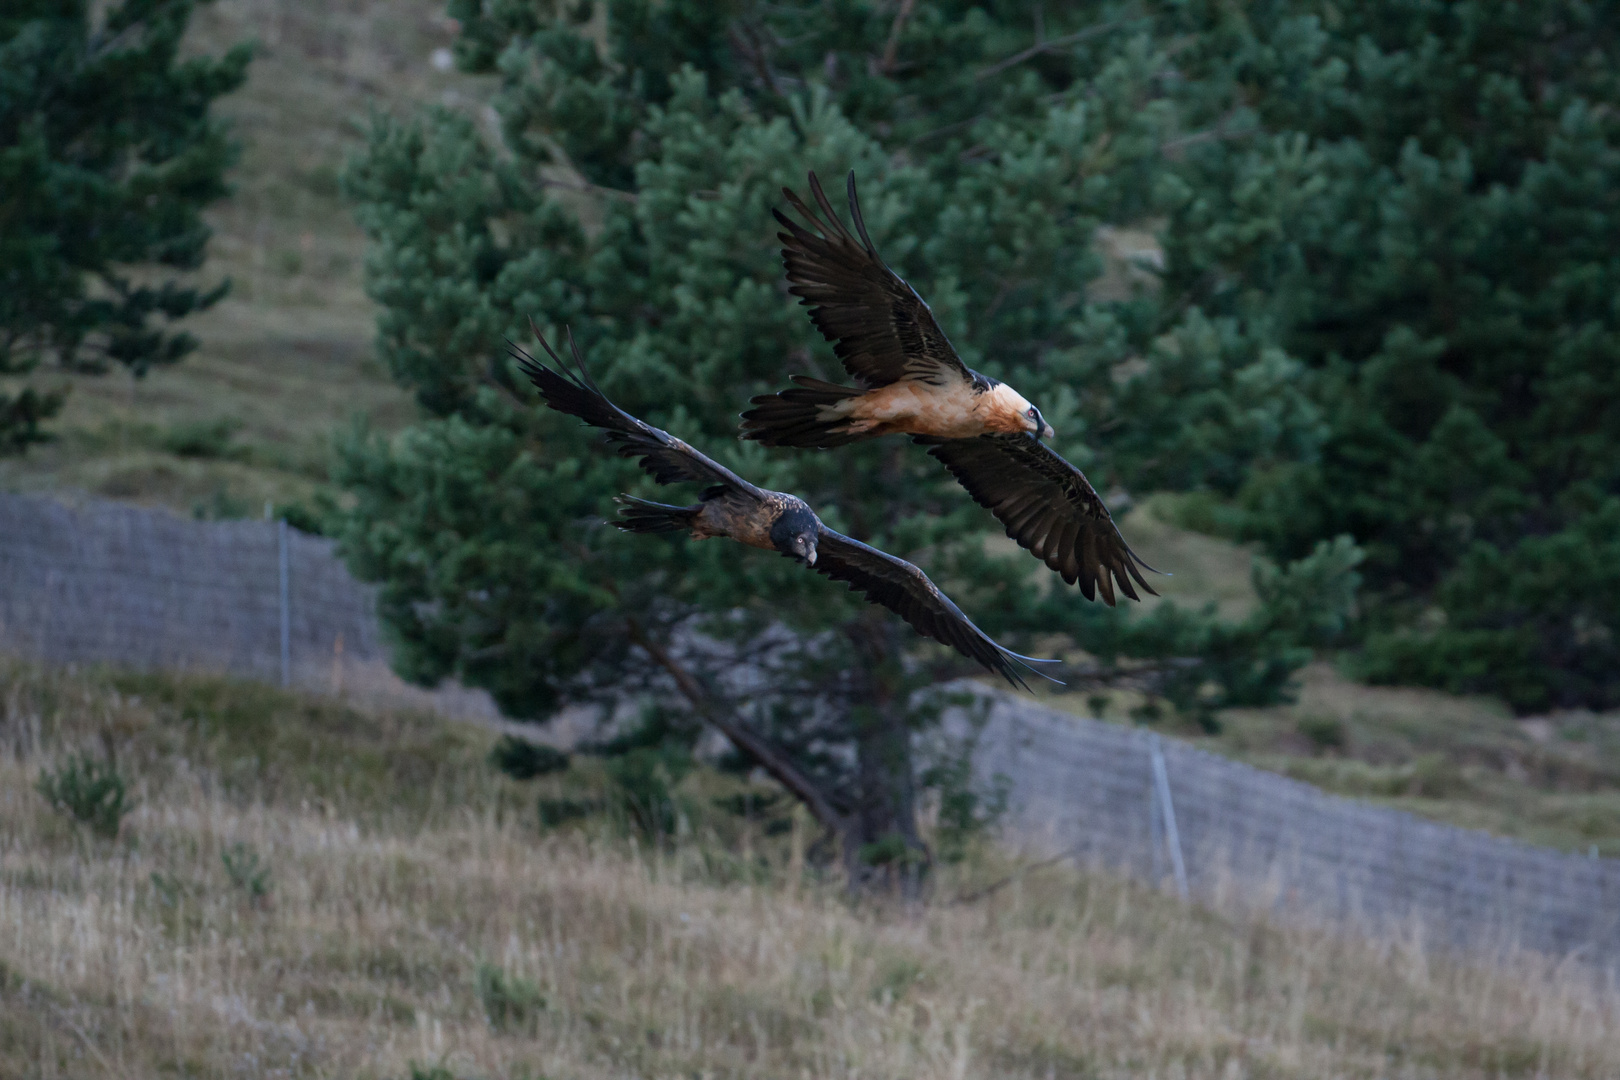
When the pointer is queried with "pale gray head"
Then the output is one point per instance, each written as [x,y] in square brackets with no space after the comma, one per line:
[795,530]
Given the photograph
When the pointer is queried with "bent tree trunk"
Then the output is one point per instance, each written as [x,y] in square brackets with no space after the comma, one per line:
[881,847]
[875,825]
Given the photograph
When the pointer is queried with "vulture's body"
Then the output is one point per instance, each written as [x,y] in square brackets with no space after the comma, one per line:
[731,507]
[910,381]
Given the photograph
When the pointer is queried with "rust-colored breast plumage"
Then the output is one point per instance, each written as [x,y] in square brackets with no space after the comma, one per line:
[952,411]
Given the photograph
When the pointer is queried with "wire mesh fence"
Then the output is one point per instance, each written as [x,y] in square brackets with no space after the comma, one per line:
[101,582]
[1232,834]
[108,583]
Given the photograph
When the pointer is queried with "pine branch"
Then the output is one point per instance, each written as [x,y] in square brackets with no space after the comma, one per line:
[1045,47]
[893,44]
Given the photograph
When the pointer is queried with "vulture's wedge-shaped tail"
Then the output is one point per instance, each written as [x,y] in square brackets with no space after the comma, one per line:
[911,381]
[731,507]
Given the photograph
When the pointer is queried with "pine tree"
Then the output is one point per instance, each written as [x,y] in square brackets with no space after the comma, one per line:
[1420,201]
[629,199]
[107,157]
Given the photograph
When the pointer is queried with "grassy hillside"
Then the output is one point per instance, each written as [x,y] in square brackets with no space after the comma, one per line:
[285,358]
[309,890]
[285,361]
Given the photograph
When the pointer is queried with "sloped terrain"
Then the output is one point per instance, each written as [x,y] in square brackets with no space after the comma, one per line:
[285,357]
[310,889]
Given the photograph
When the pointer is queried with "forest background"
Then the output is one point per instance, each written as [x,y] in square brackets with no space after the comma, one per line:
[1334,368]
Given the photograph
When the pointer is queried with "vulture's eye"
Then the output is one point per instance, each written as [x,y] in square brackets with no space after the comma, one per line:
[1030,414]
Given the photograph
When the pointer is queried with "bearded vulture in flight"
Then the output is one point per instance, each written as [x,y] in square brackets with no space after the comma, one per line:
[910,381]
[731,507]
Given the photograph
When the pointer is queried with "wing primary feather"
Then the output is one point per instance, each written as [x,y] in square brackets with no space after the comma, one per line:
[544,344]
[666,458]
[826,207]
[1138,559]
[835,228]
[906,590]
[1125,584]
[1062,557]
[1089,557]
[579,361]
[1130,565]
[800,233]
[860,221]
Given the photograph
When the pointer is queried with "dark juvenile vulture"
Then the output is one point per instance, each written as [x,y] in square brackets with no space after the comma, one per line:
[730,506]
[911,381]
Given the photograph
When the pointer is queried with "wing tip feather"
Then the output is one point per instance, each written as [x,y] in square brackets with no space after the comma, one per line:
[860,220]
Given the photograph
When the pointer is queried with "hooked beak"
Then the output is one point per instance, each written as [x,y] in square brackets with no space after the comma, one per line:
[810,556]
[1047,432]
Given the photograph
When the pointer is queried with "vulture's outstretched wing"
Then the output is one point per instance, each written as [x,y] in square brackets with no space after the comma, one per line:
[1049,507]
[880,328]
[906,590]
[668,459]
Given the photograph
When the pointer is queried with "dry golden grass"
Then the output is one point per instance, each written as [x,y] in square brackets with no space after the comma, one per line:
[286,356]
[401,868]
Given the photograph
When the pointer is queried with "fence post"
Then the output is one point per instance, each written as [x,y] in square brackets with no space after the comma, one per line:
[1167,812]
[286,604]
[1155,820]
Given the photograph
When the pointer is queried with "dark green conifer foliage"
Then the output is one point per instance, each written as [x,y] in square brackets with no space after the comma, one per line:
[1421,202]
[107,157]
[629,198]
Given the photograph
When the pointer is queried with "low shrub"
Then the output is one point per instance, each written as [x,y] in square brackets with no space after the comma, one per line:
[246,870]
[89,790]
[508,1001]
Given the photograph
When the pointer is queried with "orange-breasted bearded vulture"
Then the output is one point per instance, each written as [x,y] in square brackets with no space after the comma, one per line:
[730,506]
[911,381]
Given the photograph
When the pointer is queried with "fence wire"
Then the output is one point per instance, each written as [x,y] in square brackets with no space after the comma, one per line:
[101,582]
[1251,838]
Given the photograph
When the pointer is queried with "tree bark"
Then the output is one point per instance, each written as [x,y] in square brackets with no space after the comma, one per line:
[883,848]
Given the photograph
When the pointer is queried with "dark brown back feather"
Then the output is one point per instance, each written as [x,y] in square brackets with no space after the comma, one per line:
[880,328]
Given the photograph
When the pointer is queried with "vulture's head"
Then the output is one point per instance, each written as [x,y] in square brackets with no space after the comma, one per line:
[795,532]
